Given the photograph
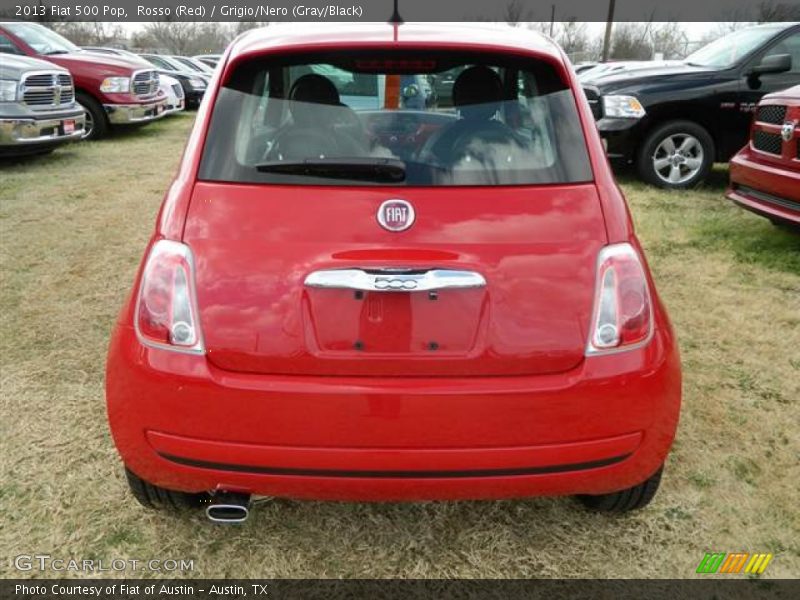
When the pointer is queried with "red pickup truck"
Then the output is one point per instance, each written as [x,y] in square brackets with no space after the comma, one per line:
[111,90]
[765,174]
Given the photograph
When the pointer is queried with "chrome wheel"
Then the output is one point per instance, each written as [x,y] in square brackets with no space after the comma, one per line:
[678,158]
[88,126]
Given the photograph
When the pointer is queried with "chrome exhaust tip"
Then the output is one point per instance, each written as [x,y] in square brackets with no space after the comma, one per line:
[228,508]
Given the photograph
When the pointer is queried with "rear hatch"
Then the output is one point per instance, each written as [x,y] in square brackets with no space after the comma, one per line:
[255,246]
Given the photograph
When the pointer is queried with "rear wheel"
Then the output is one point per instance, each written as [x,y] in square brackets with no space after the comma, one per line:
[158,498]
[96,121]
[676,155]
[625,500]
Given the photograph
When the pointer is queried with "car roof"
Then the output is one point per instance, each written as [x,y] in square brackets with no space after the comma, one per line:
[466,35]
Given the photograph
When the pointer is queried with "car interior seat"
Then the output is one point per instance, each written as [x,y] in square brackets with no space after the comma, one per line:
[477,94]
[321,125]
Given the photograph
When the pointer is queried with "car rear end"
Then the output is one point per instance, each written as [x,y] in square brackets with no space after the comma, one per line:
[393,327]
[765,174]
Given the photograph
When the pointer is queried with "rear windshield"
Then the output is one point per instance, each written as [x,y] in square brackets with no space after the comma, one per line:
[433,119]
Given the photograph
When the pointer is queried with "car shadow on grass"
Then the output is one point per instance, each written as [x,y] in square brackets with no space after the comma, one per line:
[751,239]
[717,180]
[15,163]
[62,155]
[144,130]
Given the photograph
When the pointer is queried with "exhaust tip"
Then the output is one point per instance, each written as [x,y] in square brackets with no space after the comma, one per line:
[227,513]
[229,509]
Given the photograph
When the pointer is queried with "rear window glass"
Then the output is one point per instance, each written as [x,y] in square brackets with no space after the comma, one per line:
[433,119]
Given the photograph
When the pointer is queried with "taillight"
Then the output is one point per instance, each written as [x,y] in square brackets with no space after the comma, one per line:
[623,312]
[166,310]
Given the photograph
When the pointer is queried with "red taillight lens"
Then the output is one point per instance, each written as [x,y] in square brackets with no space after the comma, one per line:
[623,314]
[166,314]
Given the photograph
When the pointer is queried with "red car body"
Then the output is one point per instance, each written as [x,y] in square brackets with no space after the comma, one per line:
[279,401]
[765,174]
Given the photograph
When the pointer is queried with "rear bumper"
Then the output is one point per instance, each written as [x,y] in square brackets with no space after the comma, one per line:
[49,131]
[123,114]
[180,423]
[769,190]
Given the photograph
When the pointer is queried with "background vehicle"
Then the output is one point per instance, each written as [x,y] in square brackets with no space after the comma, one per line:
[114,52]
[194,65]
[675,121]
[604,69]
[173,90]
[765,174]
[37,106]
[210,59]
[416,92]
[584,66]
[194,83]
[389,303]
[112,90]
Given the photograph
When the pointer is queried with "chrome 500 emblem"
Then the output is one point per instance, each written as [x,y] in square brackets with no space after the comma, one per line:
[396,215]
[787,131]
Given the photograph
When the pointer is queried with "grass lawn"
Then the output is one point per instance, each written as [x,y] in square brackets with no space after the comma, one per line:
[72,229]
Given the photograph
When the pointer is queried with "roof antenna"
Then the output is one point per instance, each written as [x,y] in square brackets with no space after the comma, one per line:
[396,19]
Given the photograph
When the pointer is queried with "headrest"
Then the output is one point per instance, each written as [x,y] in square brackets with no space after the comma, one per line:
[477,93]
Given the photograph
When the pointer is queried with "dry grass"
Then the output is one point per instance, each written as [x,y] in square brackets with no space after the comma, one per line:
[72,228]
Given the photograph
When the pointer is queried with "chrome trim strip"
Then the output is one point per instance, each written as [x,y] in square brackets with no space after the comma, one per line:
[394,280]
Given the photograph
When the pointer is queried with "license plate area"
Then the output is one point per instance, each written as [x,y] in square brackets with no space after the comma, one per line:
[68,126]
[419,323]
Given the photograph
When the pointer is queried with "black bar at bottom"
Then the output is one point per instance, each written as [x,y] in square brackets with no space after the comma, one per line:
[712,587]
[517,471]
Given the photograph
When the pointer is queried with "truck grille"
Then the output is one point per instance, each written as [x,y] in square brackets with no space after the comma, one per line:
[771,113]
[178,89]
[593,97]
[767,142]
[145,83]
[47,90]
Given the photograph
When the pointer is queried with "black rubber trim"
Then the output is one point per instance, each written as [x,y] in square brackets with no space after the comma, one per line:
[565,468]
[765,197]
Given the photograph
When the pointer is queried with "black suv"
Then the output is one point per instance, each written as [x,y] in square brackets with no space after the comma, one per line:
[674,121]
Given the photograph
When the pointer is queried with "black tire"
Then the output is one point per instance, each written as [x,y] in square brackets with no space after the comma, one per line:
[626,500]
[96,119]
[158,498]
[653,151]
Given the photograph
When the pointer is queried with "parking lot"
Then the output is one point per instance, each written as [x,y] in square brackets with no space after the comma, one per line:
[72,229]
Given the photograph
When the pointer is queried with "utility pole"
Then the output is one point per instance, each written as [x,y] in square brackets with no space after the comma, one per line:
[552,18]
[609,25]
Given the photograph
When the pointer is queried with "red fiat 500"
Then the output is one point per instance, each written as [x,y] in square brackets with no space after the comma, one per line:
[350,294]
[765,174]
